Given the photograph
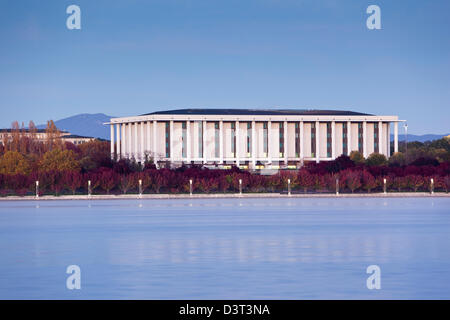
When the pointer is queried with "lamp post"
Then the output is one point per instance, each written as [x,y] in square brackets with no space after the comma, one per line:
[240,187]
[190,187]
[37,189]
[406,140]
[140,188]
[289,187]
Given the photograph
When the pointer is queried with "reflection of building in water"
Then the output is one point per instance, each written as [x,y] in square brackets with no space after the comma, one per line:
[249,249]
[250,138]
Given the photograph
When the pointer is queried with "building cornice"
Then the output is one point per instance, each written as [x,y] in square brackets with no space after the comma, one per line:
[258,118]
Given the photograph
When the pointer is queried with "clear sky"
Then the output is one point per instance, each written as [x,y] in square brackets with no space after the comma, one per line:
[137,56]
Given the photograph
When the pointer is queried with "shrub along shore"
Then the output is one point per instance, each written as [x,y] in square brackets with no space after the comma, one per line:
[342,175]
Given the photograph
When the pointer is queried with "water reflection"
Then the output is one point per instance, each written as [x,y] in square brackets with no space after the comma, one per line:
[247,248]
[258,249]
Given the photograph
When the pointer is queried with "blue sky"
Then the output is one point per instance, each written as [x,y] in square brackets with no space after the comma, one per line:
[138,56]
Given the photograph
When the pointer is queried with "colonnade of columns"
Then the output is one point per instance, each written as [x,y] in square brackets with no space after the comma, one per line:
[140,139]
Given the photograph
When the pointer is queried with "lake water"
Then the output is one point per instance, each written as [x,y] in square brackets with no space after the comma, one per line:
[226,248]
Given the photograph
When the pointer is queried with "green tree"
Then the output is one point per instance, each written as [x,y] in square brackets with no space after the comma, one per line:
[443,143]
[397,159]
[376,159]
[12,162]
[95,154]
[59,160]
[357,157]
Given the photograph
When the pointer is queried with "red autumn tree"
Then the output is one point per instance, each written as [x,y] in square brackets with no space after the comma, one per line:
[400,183]
[353,180]
[320,182]
[126,182]
[446,183]
[55,181]
[305,179]
[73,180]
[368,181]
[415,182]
[108,179]
[146,178]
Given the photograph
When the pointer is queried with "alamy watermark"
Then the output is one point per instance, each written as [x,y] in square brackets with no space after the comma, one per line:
[374,20]
[74,280]
[74,20]
[374,280]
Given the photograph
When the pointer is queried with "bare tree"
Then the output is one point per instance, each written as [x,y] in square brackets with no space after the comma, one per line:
[53,135]
[33,136]
[15,136]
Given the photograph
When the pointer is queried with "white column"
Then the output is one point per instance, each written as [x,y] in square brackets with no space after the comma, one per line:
[365,138]
[119,154]
[136,142]
[388,141]
[221,141]
[269,141]
[317,142]
[253,144]
[237,143]
[129,141]
[155,146]
[380,137]
[171,141]
[188,142]
[204,141]
[395,137]
[142,153]
[123,140]
[285,142]
[349,137]
[112,141]
[333,140]
[301,140]
[149,148]
[129,145]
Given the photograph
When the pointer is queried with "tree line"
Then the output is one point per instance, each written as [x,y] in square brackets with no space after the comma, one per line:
[63,168]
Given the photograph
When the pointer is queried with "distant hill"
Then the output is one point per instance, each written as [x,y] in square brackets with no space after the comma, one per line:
[85,124]
[91,125]
[420,138]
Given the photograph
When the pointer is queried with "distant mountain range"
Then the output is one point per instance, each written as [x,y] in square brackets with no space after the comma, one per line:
[85,124]
[91,125]
[422,138]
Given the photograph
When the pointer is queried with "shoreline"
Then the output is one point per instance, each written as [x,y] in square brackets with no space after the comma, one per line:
[227,196]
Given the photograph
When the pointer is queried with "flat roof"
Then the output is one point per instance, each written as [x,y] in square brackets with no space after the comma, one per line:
[75,136]
[26,130]
[260,112]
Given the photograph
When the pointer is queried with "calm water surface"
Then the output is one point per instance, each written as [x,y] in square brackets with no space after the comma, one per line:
[226,248]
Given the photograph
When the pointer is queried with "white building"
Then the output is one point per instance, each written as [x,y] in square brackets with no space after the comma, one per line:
[250,138]
[77,139]
[40,135]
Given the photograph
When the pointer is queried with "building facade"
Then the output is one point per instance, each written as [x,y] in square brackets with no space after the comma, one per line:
[40,135]
[76,139]
[250,138]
